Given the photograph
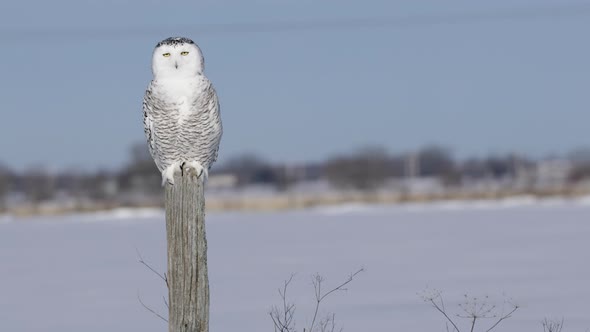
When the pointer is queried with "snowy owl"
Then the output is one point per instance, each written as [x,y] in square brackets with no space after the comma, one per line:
[180,111]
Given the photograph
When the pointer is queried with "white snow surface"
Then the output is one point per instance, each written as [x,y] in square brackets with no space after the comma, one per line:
[68,274]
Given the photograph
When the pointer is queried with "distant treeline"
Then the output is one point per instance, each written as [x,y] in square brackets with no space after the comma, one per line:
[371,167]
[364,169]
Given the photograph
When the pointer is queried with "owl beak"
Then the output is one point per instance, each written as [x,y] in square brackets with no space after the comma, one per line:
[176,65]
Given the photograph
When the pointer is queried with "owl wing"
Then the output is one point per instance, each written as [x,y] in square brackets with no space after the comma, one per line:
[216,127]
[148,126]
[202,128]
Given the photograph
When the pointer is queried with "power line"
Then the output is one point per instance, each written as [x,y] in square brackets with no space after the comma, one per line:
[514,14]
[559,12]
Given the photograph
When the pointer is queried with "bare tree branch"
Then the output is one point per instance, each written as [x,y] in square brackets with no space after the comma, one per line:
[508,315]
[474,309]
[283,320]
[163,277]
[328,324]
[317,285]
[150,309]
[283,316]
[444,314]
[552,325]
[431,295]
[442,304]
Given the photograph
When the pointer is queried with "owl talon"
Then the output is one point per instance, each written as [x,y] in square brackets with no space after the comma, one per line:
[167,180]
[168,175]
[194,169]
[182,168]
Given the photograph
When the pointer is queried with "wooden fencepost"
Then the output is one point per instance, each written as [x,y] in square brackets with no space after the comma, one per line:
[188,282]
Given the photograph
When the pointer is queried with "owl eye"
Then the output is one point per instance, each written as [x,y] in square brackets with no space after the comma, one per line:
[184,53]
[166,55]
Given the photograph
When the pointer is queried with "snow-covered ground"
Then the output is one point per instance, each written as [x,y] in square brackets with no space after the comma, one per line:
[80,273]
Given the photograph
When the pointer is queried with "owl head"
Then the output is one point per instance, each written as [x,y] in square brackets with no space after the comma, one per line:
[177,57]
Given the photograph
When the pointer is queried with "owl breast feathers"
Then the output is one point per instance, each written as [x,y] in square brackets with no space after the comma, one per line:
[181,115]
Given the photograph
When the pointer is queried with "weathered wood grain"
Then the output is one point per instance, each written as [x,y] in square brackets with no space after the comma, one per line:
[188,283]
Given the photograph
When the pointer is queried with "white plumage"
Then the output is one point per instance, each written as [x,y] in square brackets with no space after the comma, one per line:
[181,115]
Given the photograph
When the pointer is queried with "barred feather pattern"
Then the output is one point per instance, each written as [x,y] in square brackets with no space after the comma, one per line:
[182,127]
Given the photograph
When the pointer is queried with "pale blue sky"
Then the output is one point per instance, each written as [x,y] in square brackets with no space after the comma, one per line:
[72,75]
